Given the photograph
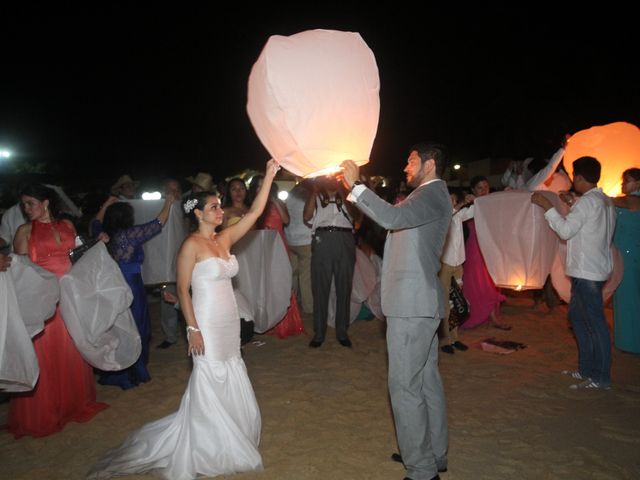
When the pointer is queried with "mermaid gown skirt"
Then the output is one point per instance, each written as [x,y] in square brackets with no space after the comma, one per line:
[216,430]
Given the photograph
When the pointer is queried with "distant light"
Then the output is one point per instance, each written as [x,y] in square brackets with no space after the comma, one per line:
[518,288]
[384,183]
[151,196]
[283,195]
[456,166]
[5,153]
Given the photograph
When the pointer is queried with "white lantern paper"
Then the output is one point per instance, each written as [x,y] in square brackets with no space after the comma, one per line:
[32,281]
[313,100]
[94,302]
[19,369]
[516,241]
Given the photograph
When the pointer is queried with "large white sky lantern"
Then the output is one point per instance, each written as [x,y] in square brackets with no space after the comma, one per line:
[615,145]
[314,100]
[516,241]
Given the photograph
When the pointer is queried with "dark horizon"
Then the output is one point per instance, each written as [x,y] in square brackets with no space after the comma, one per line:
[97,92]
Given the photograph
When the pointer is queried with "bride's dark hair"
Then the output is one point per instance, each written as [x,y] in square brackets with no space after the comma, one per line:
[193,202]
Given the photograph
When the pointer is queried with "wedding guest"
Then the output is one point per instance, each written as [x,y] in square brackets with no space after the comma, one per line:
[169,314]
[333,256]
[478,287]
[451,269]
[65,390]
[236,202]
[125,188]
[298,235]
[626,299]
[115,218]
[588,229]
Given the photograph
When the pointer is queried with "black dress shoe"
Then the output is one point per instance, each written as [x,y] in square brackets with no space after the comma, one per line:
[460,346]
[448,349]
[165,344]
[437,477]
[345,342]
[315,343]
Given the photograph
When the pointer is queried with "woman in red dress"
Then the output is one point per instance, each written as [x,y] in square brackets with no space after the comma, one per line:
[66,389]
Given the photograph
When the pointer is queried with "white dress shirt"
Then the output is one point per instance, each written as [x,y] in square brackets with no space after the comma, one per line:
[297,232]
[453,252]
[588,229]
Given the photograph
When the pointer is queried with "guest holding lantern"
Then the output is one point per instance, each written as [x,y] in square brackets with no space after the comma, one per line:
[588,229]
[66,388]
[478,287]
[125,242]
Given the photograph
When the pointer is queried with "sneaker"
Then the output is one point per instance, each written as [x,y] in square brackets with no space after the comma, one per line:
[573,374]
[589,384]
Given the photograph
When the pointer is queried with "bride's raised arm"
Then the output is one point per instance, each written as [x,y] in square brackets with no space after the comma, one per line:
[237,231]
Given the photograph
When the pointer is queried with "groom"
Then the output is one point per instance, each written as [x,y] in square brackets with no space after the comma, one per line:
[412,302]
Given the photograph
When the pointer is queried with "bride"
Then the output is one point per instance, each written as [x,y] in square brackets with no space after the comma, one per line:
[216,430]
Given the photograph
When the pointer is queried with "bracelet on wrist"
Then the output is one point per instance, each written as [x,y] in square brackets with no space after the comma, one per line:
[192,329]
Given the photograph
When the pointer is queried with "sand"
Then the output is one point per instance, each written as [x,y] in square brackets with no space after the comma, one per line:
[326,412]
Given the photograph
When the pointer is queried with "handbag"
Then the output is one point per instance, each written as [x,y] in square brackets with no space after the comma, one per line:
[76,253]
[459,312]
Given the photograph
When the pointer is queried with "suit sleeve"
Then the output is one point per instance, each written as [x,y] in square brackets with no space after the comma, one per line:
[421,207]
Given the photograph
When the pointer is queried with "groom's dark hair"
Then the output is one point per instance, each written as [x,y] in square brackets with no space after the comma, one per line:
[432,151]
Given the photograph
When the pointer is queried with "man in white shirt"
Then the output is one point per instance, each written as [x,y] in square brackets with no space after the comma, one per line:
[588,229]
[453,257]
[298,235]
[333,256]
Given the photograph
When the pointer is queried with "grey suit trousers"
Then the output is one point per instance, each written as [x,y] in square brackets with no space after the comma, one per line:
[417,395]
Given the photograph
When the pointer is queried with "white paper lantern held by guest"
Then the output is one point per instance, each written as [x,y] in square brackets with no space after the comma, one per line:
[516,241]
[313,100]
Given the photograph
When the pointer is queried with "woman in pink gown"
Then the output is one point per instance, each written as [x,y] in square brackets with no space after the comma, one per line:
[483,296]
[66,389]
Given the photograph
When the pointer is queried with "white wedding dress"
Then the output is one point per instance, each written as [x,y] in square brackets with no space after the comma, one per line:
[216,430]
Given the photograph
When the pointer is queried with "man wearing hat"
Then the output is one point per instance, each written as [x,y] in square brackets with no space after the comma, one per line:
[202,182]
[125,188]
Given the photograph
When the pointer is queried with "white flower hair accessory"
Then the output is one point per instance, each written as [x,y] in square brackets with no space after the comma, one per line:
[190,205]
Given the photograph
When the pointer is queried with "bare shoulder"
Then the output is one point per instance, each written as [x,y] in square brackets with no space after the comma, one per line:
[24,229]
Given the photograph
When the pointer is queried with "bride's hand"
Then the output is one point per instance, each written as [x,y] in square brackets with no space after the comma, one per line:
[196,343]
[272,168]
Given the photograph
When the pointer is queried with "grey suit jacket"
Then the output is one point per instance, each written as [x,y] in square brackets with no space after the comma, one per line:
[417,231]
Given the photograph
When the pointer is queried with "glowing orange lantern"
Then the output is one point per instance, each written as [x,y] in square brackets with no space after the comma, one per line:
[616,146]
[314,101]
[517,244]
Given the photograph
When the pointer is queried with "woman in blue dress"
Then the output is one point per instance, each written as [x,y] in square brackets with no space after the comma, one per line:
[626,300]
[115,218]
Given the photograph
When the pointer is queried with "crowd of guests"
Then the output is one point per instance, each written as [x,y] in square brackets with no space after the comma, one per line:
[321,225]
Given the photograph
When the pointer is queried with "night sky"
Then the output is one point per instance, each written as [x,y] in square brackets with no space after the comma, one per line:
[161,91]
